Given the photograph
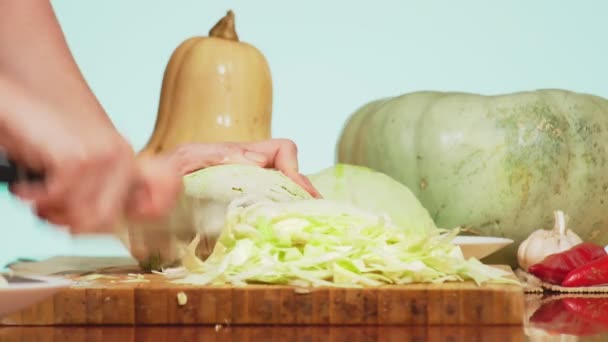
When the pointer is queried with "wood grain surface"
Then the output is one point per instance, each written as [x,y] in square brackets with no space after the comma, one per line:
[510,333]
[113,301]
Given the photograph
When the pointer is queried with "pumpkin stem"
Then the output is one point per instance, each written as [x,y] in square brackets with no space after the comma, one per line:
[560,222]
[225,28]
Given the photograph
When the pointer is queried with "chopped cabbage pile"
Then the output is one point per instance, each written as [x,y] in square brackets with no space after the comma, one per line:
[339,241]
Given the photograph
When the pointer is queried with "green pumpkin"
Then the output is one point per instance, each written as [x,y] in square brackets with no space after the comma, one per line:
[495,165]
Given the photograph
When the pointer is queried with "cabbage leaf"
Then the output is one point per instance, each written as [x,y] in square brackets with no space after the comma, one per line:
[373,191]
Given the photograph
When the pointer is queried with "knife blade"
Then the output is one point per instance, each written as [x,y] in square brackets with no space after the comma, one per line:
[18,280]
[22,280]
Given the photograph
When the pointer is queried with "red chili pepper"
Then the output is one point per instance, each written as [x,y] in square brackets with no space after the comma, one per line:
[590,274]
[554,267]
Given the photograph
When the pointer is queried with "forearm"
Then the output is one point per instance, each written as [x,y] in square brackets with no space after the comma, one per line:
[35,54]
[20,112]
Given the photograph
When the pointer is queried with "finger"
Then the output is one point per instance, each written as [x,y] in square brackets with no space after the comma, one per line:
[95,203]
[281,154]
[69,215]
[109,197]
[191,157]
[36,195]
[32,193]
[303,182]
[56,217]
[28,192]
[55,192]
[308,186]
[105,202]
[47,198]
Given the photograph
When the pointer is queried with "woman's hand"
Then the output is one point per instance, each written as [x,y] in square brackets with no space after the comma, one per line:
[88,167]
[158,190]
[280,154]
[51,122]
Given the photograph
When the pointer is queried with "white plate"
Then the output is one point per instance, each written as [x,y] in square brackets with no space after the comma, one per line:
[480,246]
[18,296]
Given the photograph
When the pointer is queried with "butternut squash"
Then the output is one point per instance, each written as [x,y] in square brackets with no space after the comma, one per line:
[214,89]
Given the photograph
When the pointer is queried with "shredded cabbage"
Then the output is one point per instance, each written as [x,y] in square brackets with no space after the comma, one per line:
[312,243]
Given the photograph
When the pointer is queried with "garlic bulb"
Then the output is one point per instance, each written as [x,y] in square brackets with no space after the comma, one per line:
[543,242]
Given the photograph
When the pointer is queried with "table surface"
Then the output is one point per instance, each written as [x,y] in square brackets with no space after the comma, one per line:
[548,318]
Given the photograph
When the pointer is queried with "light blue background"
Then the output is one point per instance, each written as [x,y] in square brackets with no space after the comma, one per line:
[327,58]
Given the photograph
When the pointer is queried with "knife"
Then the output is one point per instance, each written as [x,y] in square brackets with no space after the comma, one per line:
[11,172]
[20,280]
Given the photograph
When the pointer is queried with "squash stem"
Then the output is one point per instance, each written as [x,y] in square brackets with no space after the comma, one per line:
[225,28]
[560,222]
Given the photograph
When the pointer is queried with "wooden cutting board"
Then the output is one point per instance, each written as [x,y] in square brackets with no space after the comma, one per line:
[324,333]
[114,301]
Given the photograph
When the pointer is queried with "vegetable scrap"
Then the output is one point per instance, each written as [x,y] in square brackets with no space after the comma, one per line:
[94,276]
[182,298]
[135,278]
[131,278]
[172,272]
[300,290]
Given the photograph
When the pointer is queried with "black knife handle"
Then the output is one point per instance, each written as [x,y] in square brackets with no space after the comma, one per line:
[11,173]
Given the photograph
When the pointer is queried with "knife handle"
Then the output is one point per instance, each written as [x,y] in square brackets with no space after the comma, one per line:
[10,172]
